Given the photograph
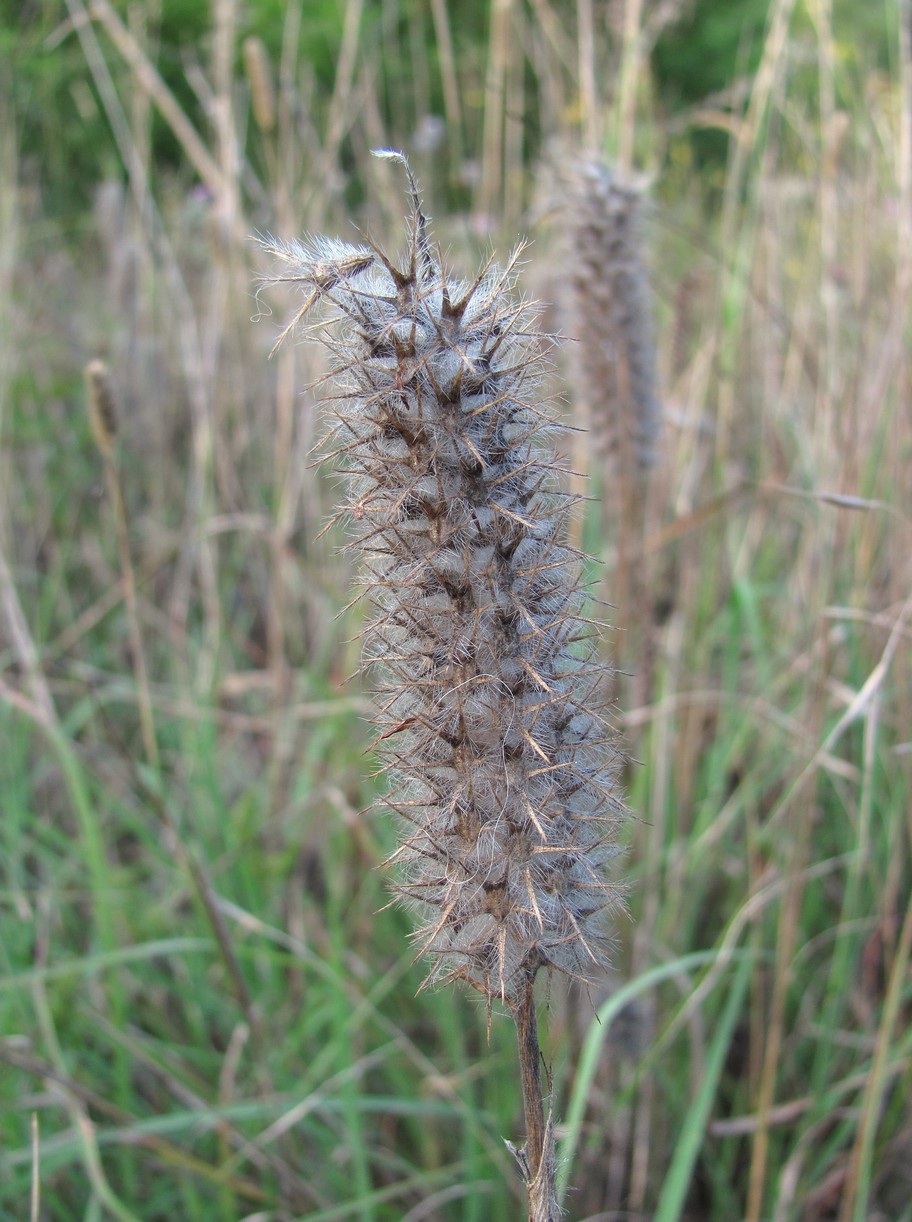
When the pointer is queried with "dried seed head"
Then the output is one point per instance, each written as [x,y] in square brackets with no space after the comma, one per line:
[611,315]
[259,78]
[102,406]
[502,766]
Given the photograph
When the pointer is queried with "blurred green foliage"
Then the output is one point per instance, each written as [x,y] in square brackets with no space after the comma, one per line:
[64,135]
[713,44]
[717,43]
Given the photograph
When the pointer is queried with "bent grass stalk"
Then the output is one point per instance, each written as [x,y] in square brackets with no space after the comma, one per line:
[102,408]
[490,712]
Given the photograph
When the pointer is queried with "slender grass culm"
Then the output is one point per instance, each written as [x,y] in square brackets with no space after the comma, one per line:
[102,407]
[502,765]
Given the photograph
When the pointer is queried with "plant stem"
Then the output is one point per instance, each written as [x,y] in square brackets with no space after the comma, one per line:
[536,1157]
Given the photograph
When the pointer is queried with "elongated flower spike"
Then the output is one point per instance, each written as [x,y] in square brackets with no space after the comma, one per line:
[502,765]
[491,707]
[612,318]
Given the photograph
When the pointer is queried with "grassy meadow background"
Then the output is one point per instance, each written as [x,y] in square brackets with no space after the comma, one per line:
[207,1010]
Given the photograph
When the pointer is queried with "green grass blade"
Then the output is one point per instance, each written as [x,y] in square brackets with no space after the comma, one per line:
[693,1126]
[105,959]
[596,1036]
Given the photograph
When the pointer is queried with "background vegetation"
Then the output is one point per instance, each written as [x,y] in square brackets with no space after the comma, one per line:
[206,1011]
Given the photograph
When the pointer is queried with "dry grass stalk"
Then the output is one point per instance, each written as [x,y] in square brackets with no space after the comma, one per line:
[149,79]
[102,411]
[490,715]
[24,650]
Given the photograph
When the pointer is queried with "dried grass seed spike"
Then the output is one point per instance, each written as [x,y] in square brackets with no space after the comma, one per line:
[506,788]
[612,316]
[102,406]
